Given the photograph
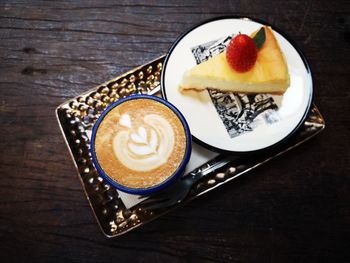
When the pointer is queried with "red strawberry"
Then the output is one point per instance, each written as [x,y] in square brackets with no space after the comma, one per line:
[241,53]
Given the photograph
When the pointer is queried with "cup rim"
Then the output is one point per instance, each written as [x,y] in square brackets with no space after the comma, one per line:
[178,172]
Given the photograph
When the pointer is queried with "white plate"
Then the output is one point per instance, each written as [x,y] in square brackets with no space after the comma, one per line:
[236,130]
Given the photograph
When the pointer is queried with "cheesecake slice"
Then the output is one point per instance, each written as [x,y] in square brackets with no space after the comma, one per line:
[268,75]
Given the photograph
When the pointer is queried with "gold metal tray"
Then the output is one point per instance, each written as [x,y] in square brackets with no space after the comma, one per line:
[77,116]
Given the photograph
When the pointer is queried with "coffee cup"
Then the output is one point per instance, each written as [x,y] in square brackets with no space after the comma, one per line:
[140,144]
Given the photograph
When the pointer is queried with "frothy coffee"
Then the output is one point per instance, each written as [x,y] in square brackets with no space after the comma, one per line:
[140,143]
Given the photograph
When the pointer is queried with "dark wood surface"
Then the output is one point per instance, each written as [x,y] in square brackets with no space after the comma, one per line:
[293,209]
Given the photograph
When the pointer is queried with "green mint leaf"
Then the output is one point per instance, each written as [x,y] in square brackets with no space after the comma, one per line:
[259,38]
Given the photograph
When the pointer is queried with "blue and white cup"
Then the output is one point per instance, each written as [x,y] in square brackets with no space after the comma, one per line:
[140,144]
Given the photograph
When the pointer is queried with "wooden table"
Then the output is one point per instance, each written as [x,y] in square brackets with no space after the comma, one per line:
[293,209]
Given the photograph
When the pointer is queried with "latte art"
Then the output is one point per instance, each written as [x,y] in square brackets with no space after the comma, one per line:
[140,143]
[141,138]
[145,147]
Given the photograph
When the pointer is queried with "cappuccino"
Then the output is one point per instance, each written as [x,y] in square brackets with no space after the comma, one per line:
[140,143]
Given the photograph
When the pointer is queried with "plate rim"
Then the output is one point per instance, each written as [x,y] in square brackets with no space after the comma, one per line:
[294,45]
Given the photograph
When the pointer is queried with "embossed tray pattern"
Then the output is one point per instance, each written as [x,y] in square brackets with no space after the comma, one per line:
[77,116]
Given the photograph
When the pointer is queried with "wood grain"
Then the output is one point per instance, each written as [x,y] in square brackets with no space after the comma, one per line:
[294,209]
